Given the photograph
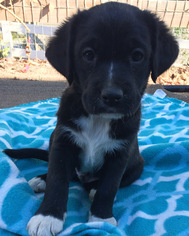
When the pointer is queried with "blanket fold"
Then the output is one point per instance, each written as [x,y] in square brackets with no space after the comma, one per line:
[156,204]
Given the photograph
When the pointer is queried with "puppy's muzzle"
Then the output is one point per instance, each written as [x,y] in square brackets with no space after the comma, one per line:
[111,96]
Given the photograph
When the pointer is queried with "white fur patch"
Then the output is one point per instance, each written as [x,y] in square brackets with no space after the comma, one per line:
[40,225]
[94,141]
[92,194]
[110,220]
[110,73]
[37,184]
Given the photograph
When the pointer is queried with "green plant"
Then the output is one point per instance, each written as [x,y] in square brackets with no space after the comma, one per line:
[16,36]
[186,61]
[4,50]
[180,33]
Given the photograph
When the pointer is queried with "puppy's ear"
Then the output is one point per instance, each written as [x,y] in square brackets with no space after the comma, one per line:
[164,46]
[59,52]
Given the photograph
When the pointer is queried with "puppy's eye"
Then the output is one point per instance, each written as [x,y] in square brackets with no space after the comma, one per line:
[137,55]
[88,55]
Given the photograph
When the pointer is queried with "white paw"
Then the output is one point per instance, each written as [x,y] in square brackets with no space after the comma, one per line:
[37,184]
[110,220]
[40,225]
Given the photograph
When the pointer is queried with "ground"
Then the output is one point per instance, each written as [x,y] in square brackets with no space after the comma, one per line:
[11,68]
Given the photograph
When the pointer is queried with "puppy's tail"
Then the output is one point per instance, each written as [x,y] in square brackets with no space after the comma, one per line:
[27,153]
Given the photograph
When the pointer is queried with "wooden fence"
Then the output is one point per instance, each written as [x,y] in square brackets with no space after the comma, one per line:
[174,12]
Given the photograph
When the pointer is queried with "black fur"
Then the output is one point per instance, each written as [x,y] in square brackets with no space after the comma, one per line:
[107,54]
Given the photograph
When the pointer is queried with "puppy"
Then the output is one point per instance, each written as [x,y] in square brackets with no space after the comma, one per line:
[107,54]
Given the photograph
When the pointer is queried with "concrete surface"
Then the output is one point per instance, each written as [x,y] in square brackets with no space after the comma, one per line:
[16,92]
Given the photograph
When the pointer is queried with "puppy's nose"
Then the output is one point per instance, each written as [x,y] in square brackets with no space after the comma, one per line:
[111,96]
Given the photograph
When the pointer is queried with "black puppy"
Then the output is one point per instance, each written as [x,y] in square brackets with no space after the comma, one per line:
[107,54]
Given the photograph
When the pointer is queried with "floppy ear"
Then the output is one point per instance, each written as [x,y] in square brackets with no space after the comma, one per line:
[164,46]
[59,52]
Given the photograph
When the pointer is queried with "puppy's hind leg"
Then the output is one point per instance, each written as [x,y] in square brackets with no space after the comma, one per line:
[38,184]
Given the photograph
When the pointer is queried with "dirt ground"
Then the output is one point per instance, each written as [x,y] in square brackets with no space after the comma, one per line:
[11,68]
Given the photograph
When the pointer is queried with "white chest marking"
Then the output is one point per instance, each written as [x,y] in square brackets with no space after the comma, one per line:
[94,141]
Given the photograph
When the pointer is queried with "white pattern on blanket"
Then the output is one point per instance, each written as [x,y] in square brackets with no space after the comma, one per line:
[156,204]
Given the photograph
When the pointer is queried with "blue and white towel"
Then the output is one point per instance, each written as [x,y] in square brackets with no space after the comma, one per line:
[156,204]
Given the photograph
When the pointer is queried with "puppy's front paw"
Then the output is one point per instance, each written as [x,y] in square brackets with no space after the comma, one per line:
[37,184]
[40,225]
[110,220]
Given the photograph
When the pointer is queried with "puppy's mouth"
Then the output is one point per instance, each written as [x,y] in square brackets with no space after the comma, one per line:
[122,109]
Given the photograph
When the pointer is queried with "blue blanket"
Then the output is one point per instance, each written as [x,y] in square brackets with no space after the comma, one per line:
[156,204]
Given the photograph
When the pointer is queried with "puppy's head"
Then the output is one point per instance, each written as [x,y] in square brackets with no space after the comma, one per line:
[110,51]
